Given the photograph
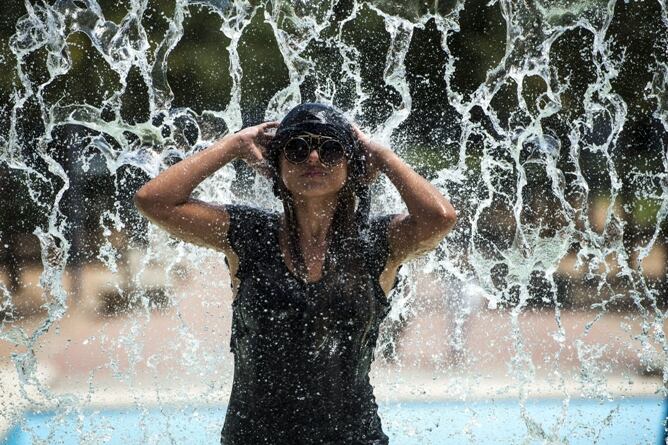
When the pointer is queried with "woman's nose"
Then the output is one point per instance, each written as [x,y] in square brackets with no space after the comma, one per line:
[313,157]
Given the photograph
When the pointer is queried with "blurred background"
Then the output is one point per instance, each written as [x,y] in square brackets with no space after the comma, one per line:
[545,123]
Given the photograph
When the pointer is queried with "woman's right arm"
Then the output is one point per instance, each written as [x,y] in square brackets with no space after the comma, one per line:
[165,200]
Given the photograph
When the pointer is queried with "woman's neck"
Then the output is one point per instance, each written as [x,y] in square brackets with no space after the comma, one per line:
[314,217]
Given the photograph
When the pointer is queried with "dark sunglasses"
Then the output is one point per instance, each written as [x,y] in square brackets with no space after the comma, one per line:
[330,151]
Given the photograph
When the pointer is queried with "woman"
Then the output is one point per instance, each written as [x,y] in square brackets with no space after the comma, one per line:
[310,285]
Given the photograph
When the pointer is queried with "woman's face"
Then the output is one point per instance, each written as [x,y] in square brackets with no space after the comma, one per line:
[311,178]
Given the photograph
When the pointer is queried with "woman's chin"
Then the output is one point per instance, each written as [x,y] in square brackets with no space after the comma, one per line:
[314,189]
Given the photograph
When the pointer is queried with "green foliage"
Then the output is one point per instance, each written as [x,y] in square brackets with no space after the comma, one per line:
[645,211]
[427,160]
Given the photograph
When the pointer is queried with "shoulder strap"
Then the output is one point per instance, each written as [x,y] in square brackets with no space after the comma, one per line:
[377,244]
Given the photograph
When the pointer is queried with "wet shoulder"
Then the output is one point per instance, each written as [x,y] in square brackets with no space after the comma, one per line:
[377,242]
[250,228]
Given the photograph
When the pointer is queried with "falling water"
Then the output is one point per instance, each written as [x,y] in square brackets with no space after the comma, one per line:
[519,146]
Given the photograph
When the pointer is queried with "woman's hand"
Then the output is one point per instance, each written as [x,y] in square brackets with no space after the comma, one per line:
[372,152]
[167,199]
[430,215]
[250,145]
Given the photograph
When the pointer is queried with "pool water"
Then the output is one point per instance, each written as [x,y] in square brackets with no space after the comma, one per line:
[627,421]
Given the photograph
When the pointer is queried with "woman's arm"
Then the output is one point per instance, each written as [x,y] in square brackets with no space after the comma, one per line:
[165,200]
[430,215]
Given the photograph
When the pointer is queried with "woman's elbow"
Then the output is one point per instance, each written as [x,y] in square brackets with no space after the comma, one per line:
[446,220]
[143,200]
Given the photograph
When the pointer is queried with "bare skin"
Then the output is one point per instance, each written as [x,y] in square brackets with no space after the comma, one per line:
[315,189]
[166,201]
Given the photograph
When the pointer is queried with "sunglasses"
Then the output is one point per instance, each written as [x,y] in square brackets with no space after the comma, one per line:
[330,151]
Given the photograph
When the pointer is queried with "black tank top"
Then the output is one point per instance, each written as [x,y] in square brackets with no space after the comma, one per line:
[302,351]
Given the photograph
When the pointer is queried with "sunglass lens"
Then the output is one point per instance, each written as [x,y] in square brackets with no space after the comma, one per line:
[297,150]
[331,152]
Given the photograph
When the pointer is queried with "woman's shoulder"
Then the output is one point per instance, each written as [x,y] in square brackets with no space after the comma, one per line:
[249,223]
[375,234]
[250,212]
[379,223]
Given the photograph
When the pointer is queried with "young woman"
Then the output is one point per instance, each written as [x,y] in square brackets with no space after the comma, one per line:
[311,284]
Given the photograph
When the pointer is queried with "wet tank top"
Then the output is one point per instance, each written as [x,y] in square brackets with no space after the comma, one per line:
[302,351]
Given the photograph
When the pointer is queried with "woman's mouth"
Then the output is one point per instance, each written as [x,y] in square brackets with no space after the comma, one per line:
[314,173]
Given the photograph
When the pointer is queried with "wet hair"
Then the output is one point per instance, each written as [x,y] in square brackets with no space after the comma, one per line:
[352,210]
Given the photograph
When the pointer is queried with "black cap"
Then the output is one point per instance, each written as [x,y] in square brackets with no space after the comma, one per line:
[319,119]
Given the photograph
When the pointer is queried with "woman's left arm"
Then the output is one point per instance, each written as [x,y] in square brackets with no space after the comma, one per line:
[430,215]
